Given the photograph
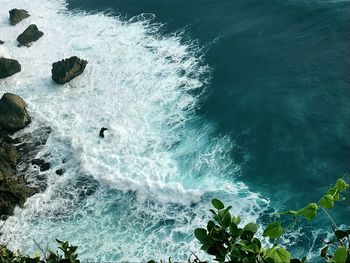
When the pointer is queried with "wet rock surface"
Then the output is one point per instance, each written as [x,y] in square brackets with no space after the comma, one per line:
[13,113]
[59,172]
[13,189]
[30,35]
[17,15]
[67,69]
[16,154]
[8,67]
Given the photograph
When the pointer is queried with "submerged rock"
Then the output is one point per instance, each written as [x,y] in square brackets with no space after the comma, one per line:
[13,113]
[59,172]
[8,67]
[17,15]
[31,34]
[67,69]
[37,162]
[45,166]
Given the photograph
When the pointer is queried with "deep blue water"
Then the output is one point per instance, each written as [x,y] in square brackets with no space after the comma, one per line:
[280,84]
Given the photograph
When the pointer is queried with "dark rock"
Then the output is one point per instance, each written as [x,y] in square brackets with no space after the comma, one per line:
[17,15]
[8,67]
[67,69]
[13,114]
[103,129]
[13,189]
[37,162]
[29,35]
[45,166]
[8,153]
[31,144]
[1,42]
[59,172]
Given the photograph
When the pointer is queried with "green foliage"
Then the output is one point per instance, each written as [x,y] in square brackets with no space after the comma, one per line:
[278,255]
[227,241]
[273,230]
[69,255]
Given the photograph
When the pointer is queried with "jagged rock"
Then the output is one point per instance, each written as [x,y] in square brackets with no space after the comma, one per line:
[1,42]
[37,162]
[17,15]
[13,114]
[59,172]
[8,67]
[45,166]
[31,34]
[13,189]
[67,69]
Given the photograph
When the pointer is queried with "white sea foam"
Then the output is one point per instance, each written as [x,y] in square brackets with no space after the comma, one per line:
[141,191]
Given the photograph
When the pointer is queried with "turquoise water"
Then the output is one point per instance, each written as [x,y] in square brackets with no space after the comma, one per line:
[280,83]
[247,101]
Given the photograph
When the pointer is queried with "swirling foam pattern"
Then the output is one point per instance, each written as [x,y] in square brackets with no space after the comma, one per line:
[140,192]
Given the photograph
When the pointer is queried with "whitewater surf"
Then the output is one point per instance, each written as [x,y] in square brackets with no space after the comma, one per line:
[138,193]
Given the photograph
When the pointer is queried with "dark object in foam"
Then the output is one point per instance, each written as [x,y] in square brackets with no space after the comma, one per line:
[67,69]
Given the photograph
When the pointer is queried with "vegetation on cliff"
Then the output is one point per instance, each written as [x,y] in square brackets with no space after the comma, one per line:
[227,241]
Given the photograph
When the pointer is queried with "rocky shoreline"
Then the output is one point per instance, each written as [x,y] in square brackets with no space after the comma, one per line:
[13,189]
[15,152]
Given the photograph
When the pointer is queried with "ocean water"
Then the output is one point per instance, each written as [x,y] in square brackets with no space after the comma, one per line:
[247,101]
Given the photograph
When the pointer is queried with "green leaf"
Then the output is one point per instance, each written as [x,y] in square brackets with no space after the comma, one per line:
[289,212]
[213,212]
[235,231]
[340,255]
[254,248]
[334,192]
[236,220]
[235,253]
[251,227]
[273,230]
[206,246]
[327,201]
[224,217]
[309,212]
[247,235]
[257,242]
[341,185]
[223,251]
[210,225]
[278,255]
[201,234]
[217,204]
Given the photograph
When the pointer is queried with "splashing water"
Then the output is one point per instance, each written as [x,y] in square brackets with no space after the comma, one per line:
[140,192]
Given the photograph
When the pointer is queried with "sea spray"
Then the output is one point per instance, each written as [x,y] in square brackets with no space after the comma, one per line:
[139,192]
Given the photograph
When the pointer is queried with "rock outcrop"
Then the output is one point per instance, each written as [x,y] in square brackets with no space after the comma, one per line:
[67,69]
[31,34]
[1,42]
[13,114]
[13,189]
[8,67]
[17,15]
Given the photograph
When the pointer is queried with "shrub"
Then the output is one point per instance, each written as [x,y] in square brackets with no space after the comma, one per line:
[69,255]
[228,241]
